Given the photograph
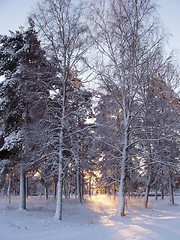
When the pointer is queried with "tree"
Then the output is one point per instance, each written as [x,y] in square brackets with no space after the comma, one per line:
[158,119]
[24,92]
[127,39]
[65,40]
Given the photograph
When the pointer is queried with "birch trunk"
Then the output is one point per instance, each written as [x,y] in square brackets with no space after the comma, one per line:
[121,194]
[58,213]
[22,203]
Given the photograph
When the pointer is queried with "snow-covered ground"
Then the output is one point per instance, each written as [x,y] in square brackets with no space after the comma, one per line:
[94,220]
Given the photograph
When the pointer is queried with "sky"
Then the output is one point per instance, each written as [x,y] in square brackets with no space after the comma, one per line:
[169,11]
[13,14]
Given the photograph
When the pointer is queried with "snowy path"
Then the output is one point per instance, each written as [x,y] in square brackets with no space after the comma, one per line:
[94,220]
[160,221]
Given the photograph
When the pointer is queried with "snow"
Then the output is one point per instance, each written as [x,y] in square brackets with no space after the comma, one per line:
[1,79]
[12,140]
[95,219]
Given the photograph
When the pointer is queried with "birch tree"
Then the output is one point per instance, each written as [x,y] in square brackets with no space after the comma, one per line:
[125,34]
[65,40]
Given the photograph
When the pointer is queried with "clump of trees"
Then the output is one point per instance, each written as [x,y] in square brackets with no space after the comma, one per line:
[46,101]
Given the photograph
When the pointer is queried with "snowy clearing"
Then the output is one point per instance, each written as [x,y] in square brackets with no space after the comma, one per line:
[96,219]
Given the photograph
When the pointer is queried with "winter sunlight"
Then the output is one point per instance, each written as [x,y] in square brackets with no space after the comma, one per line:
[96,218]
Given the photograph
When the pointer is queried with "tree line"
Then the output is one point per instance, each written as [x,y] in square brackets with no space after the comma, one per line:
[57,126]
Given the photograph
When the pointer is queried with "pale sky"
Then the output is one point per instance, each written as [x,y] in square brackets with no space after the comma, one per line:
[169,11]
[13,13]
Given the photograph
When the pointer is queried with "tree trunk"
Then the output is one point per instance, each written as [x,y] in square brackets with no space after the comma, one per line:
[156,193]
[45,191]
[148,186]
[162,192]
[82,186]
[55,189]
[26,187]
[121,193]
[22,203]
[114,191]
[8,191]
[78,182]
[89,186]
[58,213]
[148,189]
[171,195]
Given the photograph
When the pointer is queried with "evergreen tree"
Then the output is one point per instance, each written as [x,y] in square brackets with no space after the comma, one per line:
[24,93]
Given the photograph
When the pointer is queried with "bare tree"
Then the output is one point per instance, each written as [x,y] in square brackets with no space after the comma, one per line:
[65,41]
[127,39]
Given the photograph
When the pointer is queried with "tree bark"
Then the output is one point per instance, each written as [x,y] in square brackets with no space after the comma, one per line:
[58,213]
[55,189]
[89,186]
[171,195]
[9,189]
[156,193]
[121,194]
[22,203]
[26,187]
[45,191]
[82,186]
[162,191]
[148,186]
[78,176]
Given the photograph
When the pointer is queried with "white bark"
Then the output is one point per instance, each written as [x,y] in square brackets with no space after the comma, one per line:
[121,197]
[67,46]
[121,194]
[58,213]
